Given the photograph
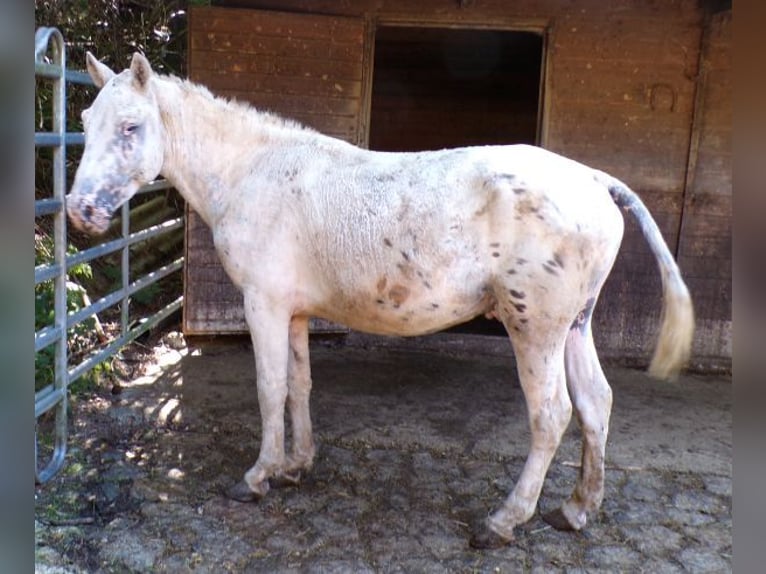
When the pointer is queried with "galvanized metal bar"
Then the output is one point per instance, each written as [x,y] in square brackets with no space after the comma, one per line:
[52,71]
[46,272]
[116,296]
[44,70]
[47,336]
[48,206]
[75,77]
[125,266]
[56,461]
[61,381]
[156,185]
[54,396]
[116,244]
[45,401]
[44,337]
[51,139]
[43,38]
[131,335]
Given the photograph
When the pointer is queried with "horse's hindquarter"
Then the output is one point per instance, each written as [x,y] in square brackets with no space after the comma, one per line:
[405,243]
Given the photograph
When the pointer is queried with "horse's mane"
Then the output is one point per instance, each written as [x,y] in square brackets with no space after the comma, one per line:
[238,107]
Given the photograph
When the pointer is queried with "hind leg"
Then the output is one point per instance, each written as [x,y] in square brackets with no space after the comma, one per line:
[592,399]
[540,364]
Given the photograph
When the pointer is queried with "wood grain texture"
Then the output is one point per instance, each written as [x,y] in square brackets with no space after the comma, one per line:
[639,89]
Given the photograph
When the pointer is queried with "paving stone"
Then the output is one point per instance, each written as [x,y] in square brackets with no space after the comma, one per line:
[640,513]
[134,550]
[552,553]
[689,517]
[640,490]
[652,539]
[701,560]
[658,565]
[412,450]
[699,501]
[716,536]
[617,558]
[339,567]
[720,485]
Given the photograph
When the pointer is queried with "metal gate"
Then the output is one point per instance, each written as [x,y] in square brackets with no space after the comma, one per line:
[50,64]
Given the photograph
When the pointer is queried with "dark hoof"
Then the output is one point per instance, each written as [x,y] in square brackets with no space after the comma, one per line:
[241,493]
[557,519]
[286,479]
[484,538]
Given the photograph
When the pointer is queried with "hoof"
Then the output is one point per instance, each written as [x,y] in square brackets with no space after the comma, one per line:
[241,492]
[286,479]
[558,520]
[484,538]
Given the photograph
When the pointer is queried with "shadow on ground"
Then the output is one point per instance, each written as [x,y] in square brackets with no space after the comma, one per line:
[413,447]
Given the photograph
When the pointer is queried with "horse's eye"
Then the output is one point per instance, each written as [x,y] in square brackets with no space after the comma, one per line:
[129,129]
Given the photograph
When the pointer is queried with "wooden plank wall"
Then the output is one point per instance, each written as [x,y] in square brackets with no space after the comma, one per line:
[621,98]
[621,87]
[704,252]
[308,68]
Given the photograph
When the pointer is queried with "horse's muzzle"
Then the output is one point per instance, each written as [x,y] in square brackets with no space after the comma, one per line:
[87,217]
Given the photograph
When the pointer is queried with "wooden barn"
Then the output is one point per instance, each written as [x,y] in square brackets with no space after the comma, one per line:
[638,88]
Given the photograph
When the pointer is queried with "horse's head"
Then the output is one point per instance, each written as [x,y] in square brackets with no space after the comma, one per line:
[123,143]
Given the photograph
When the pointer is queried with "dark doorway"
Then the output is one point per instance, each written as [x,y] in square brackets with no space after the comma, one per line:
[437,88]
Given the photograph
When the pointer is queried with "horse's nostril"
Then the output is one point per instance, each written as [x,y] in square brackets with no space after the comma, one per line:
[87,211]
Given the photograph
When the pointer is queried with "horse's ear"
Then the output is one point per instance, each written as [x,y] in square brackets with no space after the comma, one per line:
[141,70]
[99,73]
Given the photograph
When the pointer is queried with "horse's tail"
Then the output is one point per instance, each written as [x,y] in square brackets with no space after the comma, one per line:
[674,341]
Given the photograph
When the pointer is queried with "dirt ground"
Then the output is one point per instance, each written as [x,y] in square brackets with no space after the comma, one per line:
[414,445]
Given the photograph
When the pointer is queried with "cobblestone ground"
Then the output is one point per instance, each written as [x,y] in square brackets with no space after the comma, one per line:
[413,448]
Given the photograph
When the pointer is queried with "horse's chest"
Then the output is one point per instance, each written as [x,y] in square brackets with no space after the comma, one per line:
[242,250]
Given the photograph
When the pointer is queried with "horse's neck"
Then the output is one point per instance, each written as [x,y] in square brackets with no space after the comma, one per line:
[203,139]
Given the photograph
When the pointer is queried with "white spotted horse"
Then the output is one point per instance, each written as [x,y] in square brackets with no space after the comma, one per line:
[388,243]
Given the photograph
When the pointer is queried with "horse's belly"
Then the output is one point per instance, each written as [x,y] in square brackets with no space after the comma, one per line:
[406,307]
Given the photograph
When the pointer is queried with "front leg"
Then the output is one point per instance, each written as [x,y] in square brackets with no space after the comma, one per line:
[301,457]
[269,324]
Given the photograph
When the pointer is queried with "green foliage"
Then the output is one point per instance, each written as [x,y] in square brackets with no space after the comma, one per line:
[148,294]
[78,337]
[44,255]
[44,292]
[114,29]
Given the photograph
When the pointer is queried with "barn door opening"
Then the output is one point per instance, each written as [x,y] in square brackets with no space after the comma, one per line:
[436,88]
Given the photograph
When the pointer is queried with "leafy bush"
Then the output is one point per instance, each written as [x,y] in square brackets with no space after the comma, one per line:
[79,337]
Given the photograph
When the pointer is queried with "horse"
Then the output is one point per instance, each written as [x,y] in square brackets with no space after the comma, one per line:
[388,243]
